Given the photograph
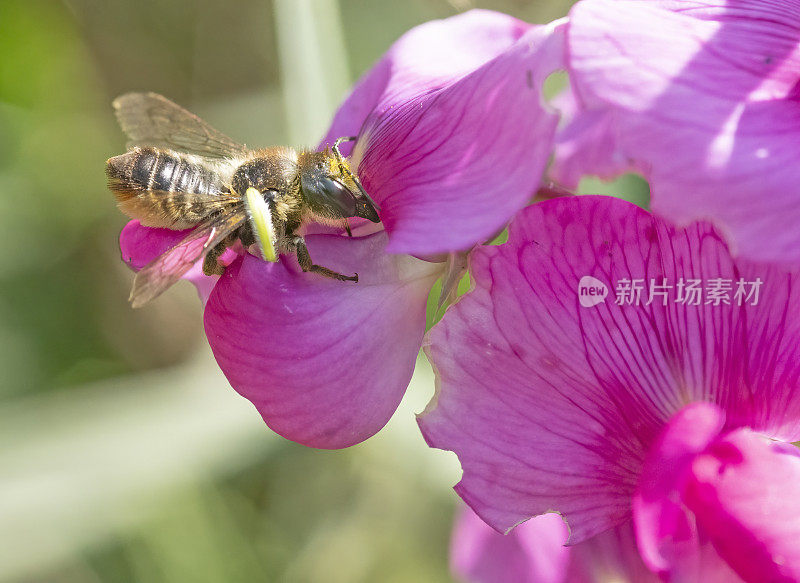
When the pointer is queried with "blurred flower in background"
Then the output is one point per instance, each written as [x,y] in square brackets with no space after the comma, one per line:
[535,552]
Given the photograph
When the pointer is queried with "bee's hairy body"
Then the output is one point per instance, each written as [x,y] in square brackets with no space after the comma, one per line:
[169,189]
[180,173]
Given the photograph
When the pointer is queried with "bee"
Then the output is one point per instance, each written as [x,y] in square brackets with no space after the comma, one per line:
[180,173]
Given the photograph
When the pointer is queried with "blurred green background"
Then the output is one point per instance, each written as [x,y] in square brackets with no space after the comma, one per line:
[124,454]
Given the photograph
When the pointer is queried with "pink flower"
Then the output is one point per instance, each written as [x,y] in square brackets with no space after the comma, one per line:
[701,97]
[713,501]
[534,552]
[606,407]
[453,140]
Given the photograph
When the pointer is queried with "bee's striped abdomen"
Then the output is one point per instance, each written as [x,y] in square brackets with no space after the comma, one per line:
[162,188]
[163,170]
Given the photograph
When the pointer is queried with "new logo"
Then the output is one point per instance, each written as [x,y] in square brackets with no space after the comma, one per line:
[591,291]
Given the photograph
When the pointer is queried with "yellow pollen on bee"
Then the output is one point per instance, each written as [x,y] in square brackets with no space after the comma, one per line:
[333,166]
[261,219]
[342,171]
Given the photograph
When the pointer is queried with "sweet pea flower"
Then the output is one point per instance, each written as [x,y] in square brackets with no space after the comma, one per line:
[700,96]
[453,138]
[534,552]
[563,388]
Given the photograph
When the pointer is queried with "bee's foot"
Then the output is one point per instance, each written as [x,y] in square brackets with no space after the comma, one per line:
[335,275]
[213,268]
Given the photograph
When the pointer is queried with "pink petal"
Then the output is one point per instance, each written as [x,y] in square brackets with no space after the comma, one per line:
[140,245]
[325,362]
[693,488]
[745,493]
[703,100]
[664,529]
[533,552]
[426,58]
[554,406]
[458,136]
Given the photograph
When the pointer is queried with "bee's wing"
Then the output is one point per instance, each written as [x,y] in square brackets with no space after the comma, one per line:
[150,119]
[170,266]
[170,210]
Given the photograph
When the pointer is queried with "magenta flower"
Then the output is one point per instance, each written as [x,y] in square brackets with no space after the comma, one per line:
[453,140]
[609,366]
[534,552]
[701,97]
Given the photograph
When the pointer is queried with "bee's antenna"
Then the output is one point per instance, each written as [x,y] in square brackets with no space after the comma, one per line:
[345,170]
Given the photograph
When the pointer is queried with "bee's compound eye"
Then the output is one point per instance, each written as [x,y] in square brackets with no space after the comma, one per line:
[328,196]
[340,196]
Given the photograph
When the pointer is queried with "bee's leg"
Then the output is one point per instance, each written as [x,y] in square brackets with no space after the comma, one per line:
[247,238]
[304,259]
[347,228]
[210,264]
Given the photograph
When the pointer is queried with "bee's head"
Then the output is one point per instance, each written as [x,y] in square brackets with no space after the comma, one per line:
[332,190]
